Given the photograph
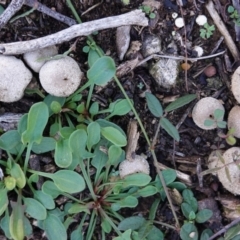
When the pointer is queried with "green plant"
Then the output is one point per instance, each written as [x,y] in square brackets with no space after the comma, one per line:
[189,209]
[156,109]
[207,31]
[229,137]
[148,10]
[216,118]
[233,13]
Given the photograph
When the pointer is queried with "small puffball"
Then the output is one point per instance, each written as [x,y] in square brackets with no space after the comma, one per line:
[236,84]
[204,109]
[138,165]
[199,50]
[210,71]
[179,22]
[231,158]
[60,77]
[201,20]
[36,59]
[233,120]
[14,78]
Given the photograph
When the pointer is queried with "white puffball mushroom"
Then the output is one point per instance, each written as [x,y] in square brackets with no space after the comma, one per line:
[60,77]
[204,109]
[138,165]
[231,156]
[201,20]
[233,120]
[36,59]
[236,84]
[199,50]
[14,78]
[179,22]
[174,15]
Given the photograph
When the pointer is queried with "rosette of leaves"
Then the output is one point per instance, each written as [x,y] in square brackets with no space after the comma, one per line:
[189,209]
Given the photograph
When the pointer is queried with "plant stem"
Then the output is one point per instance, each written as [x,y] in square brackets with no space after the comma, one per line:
[89,96]
[104,215]
[88,181]
[29,147]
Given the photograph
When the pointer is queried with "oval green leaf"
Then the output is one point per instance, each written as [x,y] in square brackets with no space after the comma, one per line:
[35,209]
[180,102]
[169,128]
[51,189]
[37,120]
[114,136]
[46,145]
[137,179]
[203,215]
[63,154]
[18,174]
[189,232]
[102,71]
[54,228]
[45,199]
[68,181]
[94,135]
[154,105]
[133,223]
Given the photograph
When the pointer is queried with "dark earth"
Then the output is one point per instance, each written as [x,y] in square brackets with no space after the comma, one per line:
[190,154]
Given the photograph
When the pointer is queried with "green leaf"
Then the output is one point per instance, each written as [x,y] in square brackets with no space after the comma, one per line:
[18,174]
[77,208]
[68,181]
[154,105]
[77,143]
[221,124]
[190,199]
[1,9]
[93,56]
[63,154]
[180,102]
[54,228]
[169,176]
[218,113]
[3,200]
[132,223]
[35,209]
[102,71]
[189,232]
[66,132]
[128,201]
[45,199]
[114,154]
[10,141]
[49,99]
[230,9]
[147,191]
[46,145]
[232,232]
[114,135]
[206,234]
[125,236]
[137,179]
[153,209]
[94,134]
[22,124]
[37,120]
[203,215]
[121,108]
[16,224]
[152,15]
[106,226]
[186,210]
[51,189]
[4,224]
[178,185]
[155,234]
[93,110]
[169,128]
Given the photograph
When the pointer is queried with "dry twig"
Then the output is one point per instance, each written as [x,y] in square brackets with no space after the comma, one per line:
[136,17]
[223,30]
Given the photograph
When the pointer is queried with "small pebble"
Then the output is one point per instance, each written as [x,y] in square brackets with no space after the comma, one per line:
[210,71]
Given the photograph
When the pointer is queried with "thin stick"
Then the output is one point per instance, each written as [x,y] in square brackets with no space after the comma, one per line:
[224,229]
[136,17]
[44,9]
[223,30]
[12,8]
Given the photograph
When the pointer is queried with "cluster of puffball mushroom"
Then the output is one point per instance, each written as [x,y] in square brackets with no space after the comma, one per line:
[59,77]
[203,110]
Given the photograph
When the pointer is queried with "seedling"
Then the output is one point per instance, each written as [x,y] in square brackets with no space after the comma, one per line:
[207,31]
[233,13]
[229,137]
[216,118]
[148,11]
[189,209]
